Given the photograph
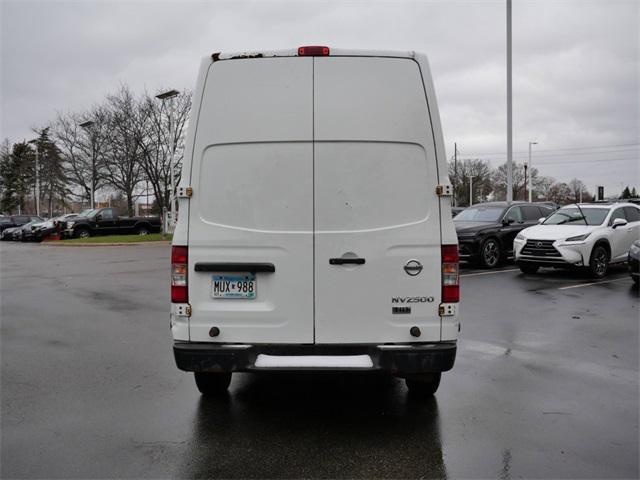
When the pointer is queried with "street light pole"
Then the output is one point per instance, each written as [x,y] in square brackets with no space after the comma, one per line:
[509,111]
[530,169]
[87,126]
[169,95]
[35,142]
[471,189]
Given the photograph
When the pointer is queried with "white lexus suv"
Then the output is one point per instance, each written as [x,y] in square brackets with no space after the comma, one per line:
[580,235]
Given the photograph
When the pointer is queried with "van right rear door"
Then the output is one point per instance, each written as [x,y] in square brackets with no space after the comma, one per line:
[375,206]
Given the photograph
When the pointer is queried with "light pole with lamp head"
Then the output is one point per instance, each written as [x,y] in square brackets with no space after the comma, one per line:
[169,95]
[35,143]
[87,127]
[530,169]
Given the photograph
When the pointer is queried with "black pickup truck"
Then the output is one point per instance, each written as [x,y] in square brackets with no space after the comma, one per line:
[106,221]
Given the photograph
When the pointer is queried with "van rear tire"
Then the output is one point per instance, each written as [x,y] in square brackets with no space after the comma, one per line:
[423,385]
[212,384]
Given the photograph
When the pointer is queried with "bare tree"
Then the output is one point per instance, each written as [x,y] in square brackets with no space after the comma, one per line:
[500,181]
[481,173]
[153,129]
[578,190]
[83,150]
[559,193]
[123,166]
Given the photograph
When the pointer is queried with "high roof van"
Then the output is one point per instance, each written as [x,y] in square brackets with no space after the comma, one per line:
[315,229]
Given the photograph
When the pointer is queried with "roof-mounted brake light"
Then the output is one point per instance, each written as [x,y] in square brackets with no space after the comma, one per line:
[313,51]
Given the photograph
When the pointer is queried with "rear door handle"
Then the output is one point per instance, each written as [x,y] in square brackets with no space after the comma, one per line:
[346,261]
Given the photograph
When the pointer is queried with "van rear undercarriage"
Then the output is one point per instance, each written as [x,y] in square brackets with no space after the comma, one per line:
[397,359]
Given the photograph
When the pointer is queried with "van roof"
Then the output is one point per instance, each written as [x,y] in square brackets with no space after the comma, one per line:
[293,52]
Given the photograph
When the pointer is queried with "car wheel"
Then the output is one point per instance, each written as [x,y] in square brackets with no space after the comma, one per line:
[599,262]
[528,268]
[142,231]
[490,253]
[423,385]
[83,233]
[213,383]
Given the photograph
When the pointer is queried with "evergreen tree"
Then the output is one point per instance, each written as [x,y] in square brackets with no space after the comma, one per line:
[626,193]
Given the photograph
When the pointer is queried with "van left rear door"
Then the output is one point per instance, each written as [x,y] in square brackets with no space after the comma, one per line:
[252,203]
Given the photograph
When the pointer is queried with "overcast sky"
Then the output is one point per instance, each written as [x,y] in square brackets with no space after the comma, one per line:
[576,65]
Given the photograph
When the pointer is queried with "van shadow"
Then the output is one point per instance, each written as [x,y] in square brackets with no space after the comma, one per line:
[309,425]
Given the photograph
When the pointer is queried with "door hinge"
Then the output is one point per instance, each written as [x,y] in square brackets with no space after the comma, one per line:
[182,309]
[448,309]
[184,192]
[444,190]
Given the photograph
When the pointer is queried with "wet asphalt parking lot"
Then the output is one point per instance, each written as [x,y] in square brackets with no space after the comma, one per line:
[545,384]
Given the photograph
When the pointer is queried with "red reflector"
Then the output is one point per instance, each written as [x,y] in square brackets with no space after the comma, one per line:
[451,294]
[179,254]
[179,277]
[313,51]
[450,254]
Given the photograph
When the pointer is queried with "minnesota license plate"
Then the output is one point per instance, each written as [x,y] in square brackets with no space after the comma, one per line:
[241,285]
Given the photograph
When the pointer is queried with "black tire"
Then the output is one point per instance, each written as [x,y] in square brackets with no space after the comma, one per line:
[82,233]
[528,268]
[213,384]
[490,253]
[423,385]
[599,262]
[142,230]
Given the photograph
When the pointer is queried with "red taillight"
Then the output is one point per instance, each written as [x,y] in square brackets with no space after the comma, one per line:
[450,274]
[313,51]
[179,278]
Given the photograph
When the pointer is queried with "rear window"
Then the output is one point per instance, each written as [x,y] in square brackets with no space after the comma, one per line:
[531,212]
[5,220]
[479,214]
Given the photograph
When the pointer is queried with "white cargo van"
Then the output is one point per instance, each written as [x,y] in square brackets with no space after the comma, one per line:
[315,228]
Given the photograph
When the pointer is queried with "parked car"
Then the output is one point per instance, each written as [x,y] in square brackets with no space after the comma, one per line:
[456,210]
[50,227]
[634,262]
[580,235]
[486,230]
[7,233]
[21,233]
[316,237]
[106,221]
[17,221]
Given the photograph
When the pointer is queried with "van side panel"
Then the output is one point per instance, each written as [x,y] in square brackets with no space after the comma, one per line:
[375,176]
[253,199]
[450,324]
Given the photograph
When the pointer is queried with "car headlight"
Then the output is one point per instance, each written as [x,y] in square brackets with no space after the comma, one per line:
[519,236]
[578,238]
[634,249]
[70,224]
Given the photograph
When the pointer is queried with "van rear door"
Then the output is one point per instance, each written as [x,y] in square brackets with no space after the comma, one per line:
[252,206]
[376,210]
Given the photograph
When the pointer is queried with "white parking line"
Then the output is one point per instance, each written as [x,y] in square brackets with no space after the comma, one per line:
[490,273]
[592,283]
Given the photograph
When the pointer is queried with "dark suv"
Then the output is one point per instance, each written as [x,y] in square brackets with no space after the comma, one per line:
[486,231]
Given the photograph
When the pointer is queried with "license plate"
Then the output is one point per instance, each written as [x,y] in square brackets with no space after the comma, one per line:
[241,285]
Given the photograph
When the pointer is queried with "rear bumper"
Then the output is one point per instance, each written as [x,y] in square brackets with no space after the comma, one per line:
[395,359]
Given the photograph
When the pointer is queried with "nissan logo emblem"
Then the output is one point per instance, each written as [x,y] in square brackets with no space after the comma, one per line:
[413,267]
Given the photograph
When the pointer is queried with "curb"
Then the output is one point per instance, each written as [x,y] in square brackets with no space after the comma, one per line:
[154,242]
